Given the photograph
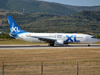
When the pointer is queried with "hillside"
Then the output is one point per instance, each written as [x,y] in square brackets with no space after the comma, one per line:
[81,8]
[82,22]
[36,6]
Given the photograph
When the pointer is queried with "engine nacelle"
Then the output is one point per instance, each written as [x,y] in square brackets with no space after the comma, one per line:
[59,42]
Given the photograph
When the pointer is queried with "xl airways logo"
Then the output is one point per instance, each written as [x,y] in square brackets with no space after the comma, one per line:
[70,38]
[15,29]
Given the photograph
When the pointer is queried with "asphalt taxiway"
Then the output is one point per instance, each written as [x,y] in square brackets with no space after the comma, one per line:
[6,47]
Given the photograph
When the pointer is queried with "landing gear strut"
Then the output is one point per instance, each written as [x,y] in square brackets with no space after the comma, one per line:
[51,44]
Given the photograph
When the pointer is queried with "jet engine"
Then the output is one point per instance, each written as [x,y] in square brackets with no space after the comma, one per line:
[59,42]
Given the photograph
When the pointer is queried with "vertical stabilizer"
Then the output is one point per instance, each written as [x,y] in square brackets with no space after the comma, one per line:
[14,28]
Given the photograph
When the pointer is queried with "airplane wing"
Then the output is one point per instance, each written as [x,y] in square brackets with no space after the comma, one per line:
[45,39]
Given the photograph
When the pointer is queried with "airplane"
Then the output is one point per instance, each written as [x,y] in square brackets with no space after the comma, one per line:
[51,38]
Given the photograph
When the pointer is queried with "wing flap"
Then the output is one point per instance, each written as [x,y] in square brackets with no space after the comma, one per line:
[45,39]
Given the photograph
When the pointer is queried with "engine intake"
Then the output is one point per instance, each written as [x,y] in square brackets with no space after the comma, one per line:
[59,42]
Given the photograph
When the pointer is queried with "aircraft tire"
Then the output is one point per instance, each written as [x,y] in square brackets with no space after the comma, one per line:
[51,44]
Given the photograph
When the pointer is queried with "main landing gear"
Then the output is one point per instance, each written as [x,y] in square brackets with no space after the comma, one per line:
[51,44]
[88,44]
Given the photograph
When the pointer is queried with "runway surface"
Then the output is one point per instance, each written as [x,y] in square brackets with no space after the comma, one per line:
[6,47]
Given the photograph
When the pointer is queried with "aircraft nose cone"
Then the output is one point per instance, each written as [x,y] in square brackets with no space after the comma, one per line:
[97,40]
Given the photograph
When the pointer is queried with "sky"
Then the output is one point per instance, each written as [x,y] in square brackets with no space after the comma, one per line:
[77,2]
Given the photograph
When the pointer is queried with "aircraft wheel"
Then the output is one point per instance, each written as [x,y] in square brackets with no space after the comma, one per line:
[51,44]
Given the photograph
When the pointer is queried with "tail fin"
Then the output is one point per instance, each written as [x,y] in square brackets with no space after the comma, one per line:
[14,28]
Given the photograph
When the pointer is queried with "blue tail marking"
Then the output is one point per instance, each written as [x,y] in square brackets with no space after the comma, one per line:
[14,28]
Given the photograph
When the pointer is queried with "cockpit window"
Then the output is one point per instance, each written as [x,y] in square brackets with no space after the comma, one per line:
[93,37]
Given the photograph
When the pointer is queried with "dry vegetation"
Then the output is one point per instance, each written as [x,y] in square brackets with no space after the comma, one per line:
[56,61]
[16,42]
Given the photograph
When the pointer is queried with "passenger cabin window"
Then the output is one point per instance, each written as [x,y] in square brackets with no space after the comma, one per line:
[59,36]
[79,37]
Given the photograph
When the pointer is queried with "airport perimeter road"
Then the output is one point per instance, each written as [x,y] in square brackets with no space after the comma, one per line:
[3,47]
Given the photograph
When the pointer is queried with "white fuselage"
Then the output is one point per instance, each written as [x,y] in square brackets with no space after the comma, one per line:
[62,37]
